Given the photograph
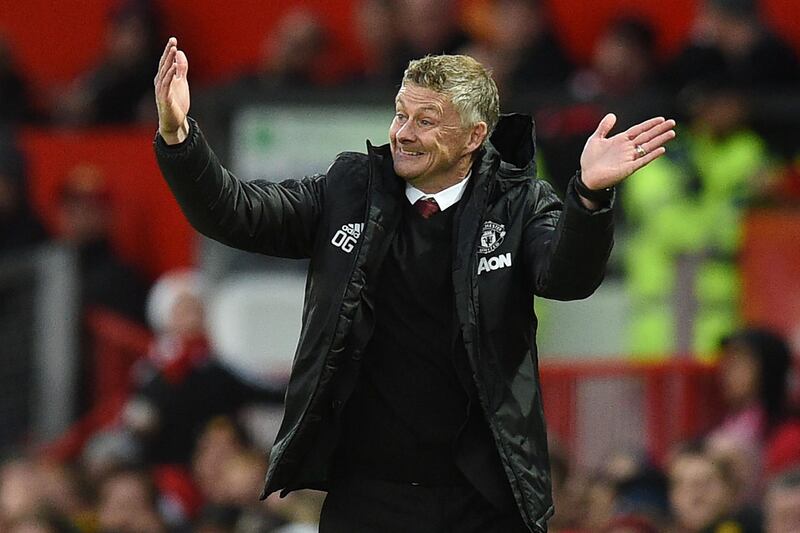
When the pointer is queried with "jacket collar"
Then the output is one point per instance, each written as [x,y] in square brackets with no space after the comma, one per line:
[511,148]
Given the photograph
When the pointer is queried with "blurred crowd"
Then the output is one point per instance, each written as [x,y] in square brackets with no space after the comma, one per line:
[740,476]
[730,47]
[175,452]
[171,453]
[732,87]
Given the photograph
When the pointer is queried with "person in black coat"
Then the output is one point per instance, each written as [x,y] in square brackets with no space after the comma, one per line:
[414,398]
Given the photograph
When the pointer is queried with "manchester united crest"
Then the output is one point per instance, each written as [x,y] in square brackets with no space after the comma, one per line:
[491,237]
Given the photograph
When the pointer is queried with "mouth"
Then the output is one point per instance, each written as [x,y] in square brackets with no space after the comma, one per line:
[409,153]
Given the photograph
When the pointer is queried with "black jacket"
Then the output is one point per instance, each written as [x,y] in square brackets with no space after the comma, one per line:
[513,239]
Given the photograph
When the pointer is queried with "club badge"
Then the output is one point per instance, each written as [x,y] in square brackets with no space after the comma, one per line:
[491,237]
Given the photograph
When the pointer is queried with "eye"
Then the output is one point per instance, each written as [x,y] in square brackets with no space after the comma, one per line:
[400,116]
[425,122]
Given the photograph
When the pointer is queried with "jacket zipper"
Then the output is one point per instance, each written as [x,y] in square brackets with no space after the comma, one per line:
[481,393]
[291,436]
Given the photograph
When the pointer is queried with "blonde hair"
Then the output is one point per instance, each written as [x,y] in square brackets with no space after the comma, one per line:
[466,82]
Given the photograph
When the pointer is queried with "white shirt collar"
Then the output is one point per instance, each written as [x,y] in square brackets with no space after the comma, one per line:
[444,198]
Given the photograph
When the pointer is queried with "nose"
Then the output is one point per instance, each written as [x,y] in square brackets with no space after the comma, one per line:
[406,132]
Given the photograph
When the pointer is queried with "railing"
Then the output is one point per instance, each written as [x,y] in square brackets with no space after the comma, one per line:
[114,345]
[596,408]
[592,408]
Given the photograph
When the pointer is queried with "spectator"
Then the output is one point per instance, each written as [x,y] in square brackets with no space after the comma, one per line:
[600,499]
[295,56]
[20,493]
[182,386]
[15,105]
[42,494]
[520,49]
[686,213]
[619,77]
[623,63]
[85,214]
[115,92]
[703,493]
[19,226]
[730,44]
[644,495]
[377,36]
[127,503]
[753,370]
[106,282]
[64,493]
[220,442]
[243,476]
[294,53]
[424,27]
[782,504]
[627,490]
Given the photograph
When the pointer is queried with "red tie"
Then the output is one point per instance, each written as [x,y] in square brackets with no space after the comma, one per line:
[426,207]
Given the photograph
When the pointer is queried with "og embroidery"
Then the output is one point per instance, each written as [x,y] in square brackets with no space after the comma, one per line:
[347,237]
[491,238]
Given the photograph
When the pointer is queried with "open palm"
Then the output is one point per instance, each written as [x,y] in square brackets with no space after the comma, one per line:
[172,93]
[606,161]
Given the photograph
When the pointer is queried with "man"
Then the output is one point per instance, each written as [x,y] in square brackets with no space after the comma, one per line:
[414,397]
[782,503]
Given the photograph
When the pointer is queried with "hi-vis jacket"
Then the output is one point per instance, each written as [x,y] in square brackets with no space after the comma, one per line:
[513,239]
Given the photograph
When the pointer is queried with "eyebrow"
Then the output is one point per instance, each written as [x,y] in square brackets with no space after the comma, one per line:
[426,107]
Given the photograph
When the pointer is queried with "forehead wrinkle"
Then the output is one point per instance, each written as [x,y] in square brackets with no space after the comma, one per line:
[435,106]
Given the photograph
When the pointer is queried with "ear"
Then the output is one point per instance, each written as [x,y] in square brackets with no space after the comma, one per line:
[476,136]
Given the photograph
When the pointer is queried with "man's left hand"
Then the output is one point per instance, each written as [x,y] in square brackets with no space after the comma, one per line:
[606,161]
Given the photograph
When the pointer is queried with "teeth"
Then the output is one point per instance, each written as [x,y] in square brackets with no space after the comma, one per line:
[409,153]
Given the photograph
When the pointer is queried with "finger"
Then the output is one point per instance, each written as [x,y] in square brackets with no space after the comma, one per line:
[633,131]
[166,76]
[605,125]
[162,89]
[172,41]
[169,59]
[182,64]
[655,131]
[659,141]
[650,156]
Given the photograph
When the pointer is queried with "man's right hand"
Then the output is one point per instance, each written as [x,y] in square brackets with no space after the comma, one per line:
[172,94]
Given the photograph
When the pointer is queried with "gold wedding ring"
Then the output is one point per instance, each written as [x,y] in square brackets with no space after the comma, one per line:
[640,151]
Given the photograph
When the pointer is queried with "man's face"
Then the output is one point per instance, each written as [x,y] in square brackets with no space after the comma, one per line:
[739,374]
[782,509]
[697,492]
[430,148]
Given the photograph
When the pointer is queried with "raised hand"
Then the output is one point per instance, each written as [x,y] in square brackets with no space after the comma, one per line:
[606,161]
[172,93]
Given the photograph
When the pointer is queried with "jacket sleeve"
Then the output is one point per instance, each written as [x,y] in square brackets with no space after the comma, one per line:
[259,216]
[566,246]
